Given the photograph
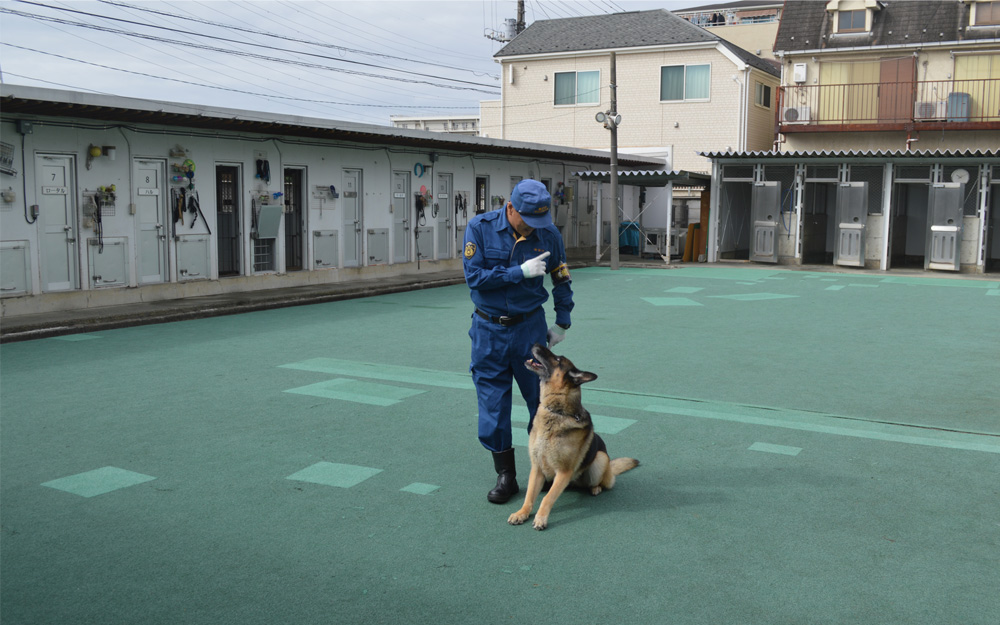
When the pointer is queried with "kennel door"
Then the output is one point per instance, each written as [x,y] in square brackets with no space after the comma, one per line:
[944,226]
[766,210]
[852,214]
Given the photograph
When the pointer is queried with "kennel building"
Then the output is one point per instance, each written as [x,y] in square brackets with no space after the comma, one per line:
[882,210]
[109,200]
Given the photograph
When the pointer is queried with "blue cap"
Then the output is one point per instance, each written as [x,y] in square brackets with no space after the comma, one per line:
[531,200]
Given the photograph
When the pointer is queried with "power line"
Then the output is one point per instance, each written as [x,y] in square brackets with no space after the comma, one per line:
[230,89]
[214,37]
[474,86]
[277,36]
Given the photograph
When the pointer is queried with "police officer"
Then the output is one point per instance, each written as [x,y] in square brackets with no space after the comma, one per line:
[507,254]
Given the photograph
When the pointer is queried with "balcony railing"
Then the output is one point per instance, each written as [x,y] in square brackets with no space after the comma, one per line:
[938,104]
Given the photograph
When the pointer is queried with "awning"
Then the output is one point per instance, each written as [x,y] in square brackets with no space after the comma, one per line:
[650,178]
[841,155]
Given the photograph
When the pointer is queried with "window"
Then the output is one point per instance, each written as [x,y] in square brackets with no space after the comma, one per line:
[851,21]
[987,13]
[762,96]
[578,88]
[685,82]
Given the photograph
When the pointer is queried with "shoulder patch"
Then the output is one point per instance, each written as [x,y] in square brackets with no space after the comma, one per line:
[470,249]
[560,274]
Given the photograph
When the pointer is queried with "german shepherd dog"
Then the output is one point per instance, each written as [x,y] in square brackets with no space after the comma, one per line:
[563,446]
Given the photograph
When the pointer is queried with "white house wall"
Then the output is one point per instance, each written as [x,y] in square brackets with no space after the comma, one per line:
[680,128]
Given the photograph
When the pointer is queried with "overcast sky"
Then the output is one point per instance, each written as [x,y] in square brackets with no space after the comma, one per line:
[359,60]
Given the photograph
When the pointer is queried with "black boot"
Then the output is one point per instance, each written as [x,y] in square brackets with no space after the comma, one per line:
[506,486]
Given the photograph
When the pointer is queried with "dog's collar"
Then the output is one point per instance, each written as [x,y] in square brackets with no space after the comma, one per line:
[578,417]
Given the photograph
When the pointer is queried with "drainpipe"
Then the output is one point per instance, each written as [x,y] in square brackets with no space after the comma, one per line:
[503,129]
[910,139]
[887,178]
[599,225]
[984,214]
[746,108]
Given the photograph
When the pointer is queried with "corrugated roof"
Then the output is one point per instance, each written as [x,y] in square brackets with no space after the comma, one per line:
[650,178]
[36,103]
[857,154]
[634,29]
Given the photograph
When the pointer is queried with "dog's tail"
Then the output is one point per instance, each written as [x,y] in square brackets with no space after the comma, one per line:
[621,465]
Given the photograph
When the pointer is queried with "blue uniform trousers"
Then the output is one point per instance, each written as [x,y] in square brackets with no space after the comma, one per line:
[498,357]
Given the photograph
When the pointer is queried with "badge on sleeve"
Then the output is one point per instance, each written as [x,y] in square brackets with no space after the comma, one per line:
[560,274]
[470,249]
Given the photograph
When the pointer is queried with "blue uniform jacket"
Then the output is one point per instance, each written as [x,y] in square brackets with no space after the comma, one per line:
[493,256]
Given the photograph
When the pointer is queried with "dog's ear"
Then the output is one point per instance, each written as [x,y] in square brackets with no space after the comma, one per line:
[581,377]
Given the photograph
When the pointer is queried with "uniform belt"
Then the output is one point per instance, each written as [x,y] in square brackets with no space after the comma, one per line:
[504,320]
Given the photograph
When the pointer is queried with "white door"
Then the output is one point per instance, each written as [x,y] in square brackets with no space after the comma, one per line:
[444,207]
[401,216]
[55,190]
[766,210]
[150,221]
[852,217]
[944,226]
[352,217]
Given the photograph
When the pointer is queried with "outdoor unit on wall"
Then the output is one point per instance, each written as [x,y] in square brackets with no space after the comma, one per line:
[799,73]
[930,110]
[795,115]
[958,107]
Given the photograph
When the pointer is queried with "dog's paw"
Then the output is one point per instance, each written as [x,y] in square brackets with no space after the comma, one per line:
[517,518]
[541,522]
[597,490]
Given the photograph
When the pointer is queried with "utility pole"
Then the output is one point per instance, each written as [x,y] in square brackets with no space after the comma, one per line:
[514,27]
[613,114]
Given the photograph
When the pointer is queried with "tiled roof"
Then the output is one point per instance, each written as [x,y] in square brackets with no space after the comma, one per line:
[617,31]
[806,25]
[604,32]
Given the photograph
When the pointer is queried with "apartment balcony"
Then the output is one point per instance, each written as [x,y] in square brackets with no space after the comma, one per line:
[886,106]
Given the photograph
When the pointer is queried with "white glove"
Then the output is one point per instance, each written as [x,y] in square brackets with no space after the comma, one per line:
[555,335]
[534,267]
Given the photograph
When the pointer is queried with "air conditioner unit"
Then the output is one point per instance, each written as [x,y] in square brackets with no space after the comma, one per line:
[795,115]
[930,110]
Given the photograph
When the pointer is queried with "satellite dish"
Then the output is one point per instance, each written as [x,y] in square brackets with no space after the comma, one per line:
[961,176]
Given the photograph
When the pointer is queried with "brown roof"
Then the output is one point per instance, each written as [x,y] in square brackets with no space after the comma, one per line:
[806,25]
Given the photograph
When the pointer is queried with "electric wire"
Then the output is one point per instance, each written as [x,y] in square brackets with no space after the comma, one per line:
[230,89]
[478,87]
[217,38]
[306,85]
[385,37]
[284,37]
[215,71]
